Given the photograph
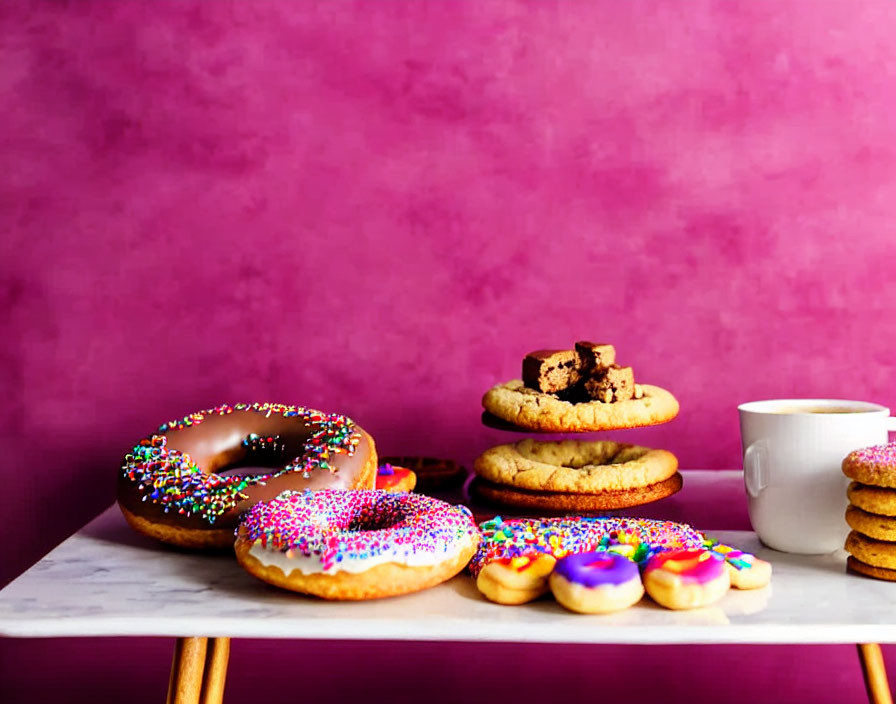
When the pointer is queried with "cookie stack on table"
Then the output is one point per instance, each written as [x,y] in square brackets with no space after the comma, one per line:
[872,511]
[575,391]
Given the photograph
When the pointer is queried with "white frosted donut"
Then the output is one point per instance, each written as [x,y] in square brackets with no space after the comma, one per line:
[361,544]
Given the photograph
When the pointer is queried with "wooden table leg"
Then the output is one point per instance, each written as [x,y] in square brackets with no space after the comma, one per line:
[216,659]
[185,683]
[875,673]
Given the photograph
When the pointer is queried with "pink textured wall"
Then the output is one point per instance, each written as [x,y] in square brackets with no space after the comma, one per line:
[378,208]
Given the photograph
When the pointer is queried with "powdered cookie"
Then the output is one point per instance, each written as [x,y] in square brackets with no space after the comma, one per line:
[575,466]
[873,499]
[854,565]
[872,525]
[534,410]
[876,553]
[564,501]
[872,465]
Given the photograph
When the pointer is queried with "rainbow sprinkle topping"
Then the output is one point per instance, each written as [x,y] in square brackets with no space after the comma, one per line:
[337,525]
[172,479]
[636,538]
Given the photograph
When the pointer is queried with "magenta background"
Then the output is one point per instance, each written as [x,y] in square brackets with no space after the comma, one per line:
[378,208]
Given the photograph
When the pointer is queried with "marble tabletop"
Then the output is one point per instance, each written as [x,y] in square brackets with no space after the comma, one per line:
[108,581]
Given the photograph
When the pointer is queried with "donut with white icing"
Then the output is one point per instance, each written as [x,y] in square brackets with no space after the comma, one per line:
[351,545]
[170,488]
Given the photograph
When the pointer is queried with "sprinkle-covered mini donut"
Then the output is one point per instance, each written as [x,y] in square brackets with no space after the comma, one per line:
[596,582]
[637,538]
[686,579]
[168,487]
[745,570]
[393,478]
[355,544]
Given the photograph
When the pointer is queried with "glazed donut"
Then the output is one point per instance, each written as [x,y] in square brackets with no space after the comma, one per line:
[746,571]
[596,582]
[686,579]
[349,545]
[168,487]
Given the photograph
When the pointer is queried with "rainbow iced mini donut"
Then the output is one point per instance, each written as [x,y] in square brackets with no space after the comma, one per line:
[686,579]
[746,571]
[361,544]
[596,582]
[516,580]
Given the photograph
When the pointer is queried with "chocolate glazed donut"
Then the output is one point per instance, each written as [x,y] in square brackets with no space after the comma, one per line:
[168,488]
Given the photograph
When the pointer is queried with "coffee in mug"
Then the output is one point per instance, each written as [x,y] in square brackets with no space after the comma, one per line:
[793,451]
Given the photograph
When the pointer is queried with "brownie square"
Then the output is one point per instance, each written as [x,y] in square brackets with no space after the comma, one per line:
[551,371]
[614,384]
[595,356]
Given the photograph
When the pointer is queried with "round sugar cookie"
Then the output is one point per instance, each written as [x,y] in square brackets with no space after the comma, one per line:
[854,565]
[527,408]
[575,466]
[876,553]
[873,499]
[870,524]
[872,465]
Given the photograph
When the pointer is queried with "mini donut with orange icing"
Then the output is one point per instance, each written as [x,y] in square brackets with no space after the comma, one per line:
[686,579]
[516,580]
[349,545]
[169,488]
[393,478]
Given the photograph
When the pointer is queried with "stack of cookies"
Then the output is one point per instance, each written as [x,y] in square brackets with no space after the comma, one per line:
[872,511]
[575,391]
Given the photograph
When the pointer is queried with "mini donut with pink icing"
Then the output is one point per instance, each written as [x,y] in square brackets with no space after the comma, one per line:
[686,579]
[596,582]
[361,544]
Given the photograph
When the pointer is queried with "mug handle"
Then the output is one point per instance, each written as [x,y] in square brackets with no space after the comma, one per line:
[891,424]
[756,468]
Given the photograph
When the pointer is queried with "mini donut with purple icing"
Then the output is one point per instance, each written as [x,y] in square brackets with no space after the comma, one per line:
[596,582]
[686,579]
[170,488]
[349,545]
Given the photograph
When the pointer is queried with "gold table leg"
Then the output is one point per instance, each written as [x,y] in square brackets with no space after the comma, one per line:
[198,671]
[872,660]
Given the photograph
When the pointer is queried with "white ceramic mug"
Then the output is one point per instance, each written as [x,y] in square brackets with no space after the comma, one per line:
[793,451]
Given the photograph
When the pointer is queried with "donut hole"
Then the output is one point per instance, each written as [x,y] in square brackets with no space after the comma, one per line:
[365,521]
